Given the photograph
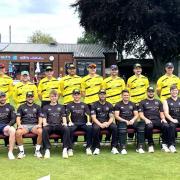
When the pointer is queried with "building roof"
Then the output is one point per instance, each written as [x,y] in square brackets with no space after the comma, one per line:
[79,50]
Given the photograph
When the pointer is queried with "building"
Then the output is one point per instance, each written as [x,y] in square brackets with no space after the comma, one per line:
[26,56]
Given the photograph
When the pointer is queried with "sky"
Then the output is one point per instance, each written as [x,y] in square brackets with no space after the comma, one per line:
[54,17]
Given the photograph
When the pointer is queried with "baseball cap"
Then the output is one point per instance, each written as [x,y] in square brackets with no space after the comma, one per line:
[71,66]
[49,68]
[102,91]
[137,65]
[76,91]
[115,67]
[2,65]
[29,93]
[169,65]
[92,65]
[150,89]
[24,73]
[2,94]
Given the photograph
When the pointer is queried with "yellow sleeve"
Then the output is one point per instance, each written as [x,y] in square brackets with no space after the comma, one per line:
[83,85]
[10,87]
[178,84]
[159,84]
[40,88]
[35,93]
[147,83]
[61,86]
[128,84]
[104,85]
[14,94]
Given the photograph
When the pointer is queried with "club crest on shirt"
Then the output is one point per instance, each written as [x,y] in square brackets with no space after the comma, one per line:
[156,103]
[34,110]
[59,109]
[130,107]
[49,109]
[25,110]
[72,107]
[82,106]
[98,109]
[147,103]
[7,109]
[107,108]
[171,104]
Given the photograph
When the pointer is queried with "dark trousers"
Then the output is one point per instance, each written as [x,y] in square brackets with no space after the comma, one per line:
[83,127]
[122,133]
[58,129]
[164,127]
[96,135]
[172,133]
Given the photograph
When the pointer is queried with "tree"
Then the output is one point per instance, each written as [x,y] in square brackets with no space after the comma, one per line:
[125,23]
[40,37]
[88,38]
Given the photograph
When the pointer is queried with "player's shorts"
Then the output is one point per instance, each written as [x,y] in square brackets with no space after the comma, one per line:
[4,128]
[29,127]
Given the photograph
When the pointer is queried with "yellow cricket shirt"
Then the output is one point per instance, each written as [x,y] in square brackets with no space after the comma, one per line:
[20,90]
[6,86]
[114,87]
[164,83]
[67,85]
[91,86]
[137,87]
[45,86]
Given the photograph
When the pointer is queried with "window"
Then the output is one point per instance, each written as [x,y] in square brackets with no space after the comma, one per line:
[43,66]
[20,66]
[82,66]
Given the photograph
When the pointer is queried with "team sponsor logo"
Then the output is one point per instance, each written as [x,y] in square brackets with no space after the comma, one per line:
[98,109]
[58,109]
[7,109]
[122,107]
[156,103]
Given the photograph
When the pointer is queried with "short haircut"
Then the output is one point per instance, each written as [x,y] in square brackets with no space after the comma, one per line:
[53,92]
[173,87]
[125,91]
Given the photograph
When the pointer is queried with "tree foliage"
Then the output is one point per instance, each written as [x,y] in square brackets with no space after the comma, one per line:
[88,38]
[40,37]
[124,23]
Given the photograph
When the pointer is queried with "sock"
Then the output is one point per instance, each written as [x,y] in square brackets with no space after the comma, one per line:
[38,147]
[21,148]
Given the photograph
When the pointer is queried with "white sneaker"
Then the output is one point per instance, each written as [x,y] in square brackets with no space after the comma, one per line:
[102,144]
[151,149]
[21,155]
[96,151]
[65,153]
[85,144]
[70,152]
[114,151]
[11,155]
[123,151]
[140,151]
[165,148]
[47,154]
[38,154]
[88,151]
[172,149]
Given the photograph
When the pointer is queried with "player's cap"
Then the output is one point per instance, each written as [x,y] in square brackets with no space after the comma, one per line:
[169,65]
[173,87]
[76,91]
[92,65]
[2,94]
[29,94]
[71,66]
[137,65]
[24,73]
[114,67]
[49,68]
[102,91]
[150,89]
[2,65]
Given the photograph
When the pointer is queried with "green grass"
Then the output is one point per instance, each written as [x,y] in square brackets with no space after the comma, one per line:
[106,166]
